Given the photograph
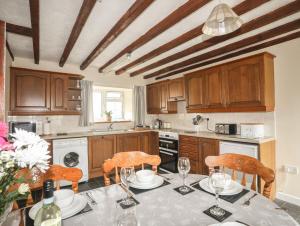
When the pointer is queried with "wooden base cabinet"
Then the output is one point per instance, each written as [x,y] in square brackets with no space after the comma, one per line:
[197,149]
[100,149]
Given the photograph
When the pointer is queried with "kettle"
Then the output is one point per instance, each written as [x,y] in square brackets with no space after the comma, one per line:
[158,124]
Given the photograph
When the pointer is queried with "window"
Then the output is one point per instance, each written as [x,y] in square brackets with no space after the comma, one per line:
[116,100]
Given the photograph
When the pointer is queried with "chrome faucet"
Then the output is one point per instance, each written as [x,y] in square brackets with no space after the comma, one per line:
[109,128]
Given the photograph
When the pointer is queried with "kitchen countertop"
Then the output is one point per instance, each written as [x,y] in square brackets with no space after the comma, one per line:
[211,135]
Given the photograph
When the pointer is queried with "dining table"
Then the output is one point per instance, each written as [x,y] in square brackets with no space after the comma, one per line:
[164,206]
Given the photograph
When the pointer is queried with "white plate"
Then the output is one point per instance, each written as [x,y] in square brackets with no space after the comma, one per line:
[76,206]
[227,224]
[233,189]
[156,182]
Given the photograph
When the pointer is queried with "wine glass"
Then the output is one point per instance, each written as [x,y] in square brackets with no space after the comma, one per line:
[217,181]
[183,169]
[127,176]
[126,217]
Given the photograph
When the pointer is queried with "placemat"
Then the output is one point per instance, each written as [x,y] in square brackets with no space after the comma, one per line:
[137,191]
[183,193]
[136,202]
[218,218]
[228,198]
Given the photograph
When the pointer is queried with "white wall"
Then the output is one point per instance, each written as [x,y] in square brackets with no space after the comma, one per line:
[283,123]
[70,123]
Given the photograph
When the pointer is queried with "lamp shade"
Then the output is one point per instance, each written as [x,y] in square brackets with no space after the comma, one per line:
[221,21]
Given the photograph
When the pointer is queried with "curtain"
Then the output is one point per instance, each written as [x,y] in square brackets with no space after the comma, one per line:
[139,105]
[86,117]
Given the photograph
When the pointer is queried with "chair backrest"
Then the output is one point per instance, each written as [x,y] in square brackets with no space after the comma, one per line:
[245,165]
[128,159]
[57,173]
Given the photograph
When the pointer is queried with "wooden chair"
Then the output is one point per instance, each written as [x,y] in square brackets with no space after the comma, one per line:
[246,165]
[57,173]
[128,159]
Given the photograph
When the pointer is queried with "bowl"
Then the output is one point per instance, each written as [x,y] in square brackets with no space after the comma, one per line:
[145,176]
[63,197]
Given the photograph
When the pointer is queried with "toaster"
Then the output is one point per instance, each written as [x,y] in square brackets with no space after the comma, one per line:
[226,128]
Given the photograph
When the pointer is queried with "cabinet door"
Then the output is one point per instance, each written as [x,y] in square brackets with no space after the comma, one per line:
[59,87]
[195,85]
[163,97]
[244,83]
[215,95]
[207,147]
[145,139]
[30,91]
[100,149]
[176,89]
[153,99]
[188,147]
[128,142]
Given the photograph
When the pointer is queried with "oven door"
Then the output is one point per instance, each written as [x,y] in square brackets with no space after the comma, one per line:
[168,143]
[169,160]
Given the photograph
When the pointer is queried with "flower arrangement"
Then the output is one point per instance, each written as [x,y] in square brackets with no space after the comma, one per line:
[26,150]
[108,115]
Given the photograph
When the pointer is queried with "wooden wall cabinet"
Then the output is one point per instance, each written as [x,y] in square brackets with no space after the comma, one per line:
[176,89]
[35,92]
[244,85]
[29,91]
[100,149]
[158,99]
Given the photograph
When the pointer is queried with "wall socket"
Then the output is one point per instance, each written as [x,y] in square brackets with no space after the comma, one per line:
[291,169]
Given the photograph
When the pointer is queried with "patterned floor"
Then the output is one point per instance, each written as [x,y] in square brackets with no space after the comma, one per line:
[293,210]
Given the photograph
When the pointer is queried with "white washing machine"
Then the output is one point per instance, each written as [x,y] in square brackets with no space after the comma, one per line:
[72,153]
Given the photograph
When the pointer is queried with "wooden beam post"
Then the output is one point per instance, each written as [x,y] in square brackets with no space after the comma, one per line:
[132,13]
[35,24]
[85,11]
[19,30]
[2,70]
[9,51]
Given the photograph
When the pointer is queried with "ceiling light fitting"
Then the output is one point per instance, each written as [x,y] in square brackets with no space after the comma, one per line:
[221,21]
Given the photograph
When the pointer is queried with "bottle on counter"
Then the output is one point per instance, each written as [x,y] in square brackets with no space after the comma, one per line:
[49,214]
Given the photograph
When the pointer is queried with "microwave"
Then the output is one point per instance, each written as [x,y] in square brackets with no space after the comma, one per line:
[28,126]
[226,128]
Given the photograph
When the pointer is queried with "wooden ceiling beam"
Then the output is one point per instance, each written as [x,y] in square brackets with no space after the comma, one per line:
[235,54]
[132,13]
[85,11]
[173,18]
[19,30]
[256,23]
[240,9]
[230,47]
[35,24]
[9,51]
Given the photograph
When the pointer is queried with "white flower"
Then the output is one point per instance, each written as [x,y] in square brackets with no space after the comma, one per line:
[9,164]
[23,138]
[6,155]
[23,188]
[34,155]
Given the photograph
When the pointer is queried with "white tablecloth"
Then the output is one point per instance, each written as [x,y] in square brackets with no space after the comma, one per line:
[166,207]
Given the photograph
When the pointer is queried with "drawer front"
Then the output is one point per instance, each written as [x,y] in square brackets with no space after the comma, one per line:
[188,140]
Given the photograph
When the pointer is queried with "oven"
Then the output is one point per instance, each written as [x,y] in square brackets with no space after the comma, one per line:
[168,152]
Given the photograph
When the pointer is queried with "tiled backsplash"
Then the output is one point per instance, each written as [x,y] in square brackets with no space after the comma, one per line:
[68,123]
[183,120]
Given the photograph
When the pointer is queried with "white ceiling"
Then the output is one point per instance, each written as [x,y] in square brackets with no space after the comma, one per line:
[57,18]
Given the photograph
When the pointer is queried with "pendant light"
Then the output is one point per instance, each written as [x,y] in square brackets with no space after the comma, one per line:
[221,21]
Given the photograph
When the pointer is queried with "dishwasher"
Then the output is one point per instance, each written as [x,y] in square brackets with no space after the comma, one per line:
[243,149]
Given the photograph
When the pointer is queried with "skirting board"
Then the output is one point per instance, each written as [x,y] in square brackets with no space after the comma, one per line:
[288,198]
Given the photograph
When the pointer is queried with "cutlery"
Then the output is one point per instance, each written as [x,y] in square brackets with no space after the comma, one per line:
[167,178]
[280,208]
[92,200]
[247,202]
[196,182]
[242,223]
